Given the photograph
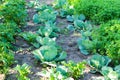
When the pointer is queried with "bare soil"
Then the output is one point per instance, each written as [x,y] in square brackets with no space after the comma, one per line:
[67,41]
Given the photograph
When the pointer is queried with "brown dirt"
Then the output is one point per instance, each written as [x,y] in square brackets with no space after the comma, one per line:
[66,41]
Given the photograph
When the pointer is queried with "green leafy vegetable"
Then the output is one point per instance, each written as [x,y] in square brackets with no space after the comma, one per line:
[97,62]
[109,74]
[48,54]
[70,18]
[23,71]
[31,38]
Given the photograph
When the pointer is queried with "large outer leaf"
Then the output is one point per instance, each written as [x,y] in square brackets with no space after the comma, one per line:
[70,18]
[82,47]
[61,56]
[46,41]
[49,52]
[117,69]
[36,18]
[63,70]
[109,74]
[79,24]
[38,55]
[47,31]
[97,61]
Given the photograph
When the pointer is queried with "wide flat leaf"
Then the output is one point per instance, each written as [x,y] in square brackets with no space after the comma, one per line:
[82,47]
[47,31]
[98,61]
[79,24]
[117,69]
[46,41]
[36,18]
[81,17]
[61,56]
[70,18]
[70,27]
[62,69]
[108,73]
[38,55]
[49,52]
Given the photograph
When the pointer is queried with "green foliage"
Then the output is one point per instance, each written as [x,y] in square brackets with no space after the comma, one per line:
[98,10]
[6,59]
[100,64]
[97,62]
[109,73]
[12,15]
[13,10]
[48,54]
[55,73]
[46,41]
[59,3]
[7,31]
[67,71]
[75,70]
[31,38]
[23,72]
[117,69]
[64,6]
[50,30]
[44,15]
[108,40]
[103,40]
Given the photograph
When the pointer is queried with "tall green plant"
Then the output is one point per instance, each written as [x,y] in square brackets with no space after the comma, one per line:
[13,10]
[98,10]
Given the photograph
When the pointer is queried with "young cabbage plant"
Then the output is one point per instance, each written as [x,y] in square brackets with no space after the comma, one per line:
[44,16]
[46,41]
[49,53]
[98,61]
[55,73]
[109,73]
[31,38]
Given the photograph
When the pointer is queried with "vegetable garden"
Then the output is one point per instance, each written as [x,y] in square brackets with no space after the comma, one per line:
[59,40]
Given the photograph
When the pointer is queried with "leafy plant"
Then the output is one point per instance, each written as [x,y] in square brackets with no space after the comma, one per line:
[75,70]
[7,31]
[98,61]
[85,45]
[117,69]
[23,72]
[59,4]
[67,71]
[55,73]
[44,16]
[103,40]
[31,38]
[50,30]
[46,41]
[64,6]
[109,73]
[98,11]
[70,18]
[107,37]
[48,54]
[6,59]
[14,10]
